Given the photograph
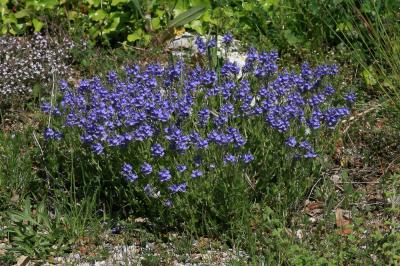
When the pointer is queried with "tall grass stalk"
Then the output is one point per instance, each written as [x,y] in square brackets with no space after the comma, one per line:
[371,30]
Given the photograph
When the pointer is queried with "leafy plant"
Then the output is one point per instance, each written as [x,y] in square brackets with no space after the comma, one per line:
[195,146]
[33,232]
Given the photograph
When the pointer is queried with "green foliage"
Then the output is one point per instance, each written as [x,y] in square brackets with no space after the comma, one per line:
[108,22]
[16,17]
[19,155]
[43,229]
[34,233]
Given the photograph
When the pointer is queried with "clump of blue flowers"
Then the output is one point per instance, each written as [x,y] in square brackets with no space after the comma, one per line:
[168,129]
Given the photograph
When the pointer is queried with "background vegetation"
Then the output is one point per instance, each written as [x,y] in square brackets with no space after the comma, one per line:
[55,200]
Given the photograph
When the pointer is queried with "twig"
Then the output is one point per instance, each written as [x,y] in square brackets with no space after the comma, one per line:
[312,189]
[51,100]
[365,203]
[37,142]
[139,48]
[340,202]
[352,119]
[389,165]
[249,181]
[355,182]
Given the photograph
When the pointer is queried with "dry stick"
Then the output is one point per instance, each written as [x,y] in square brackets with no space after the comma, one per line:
[390,164]
[51,99]
[352,119]
[340,202]
[138,48]
[249,182]
[355,182]
[37,142]
[312,189]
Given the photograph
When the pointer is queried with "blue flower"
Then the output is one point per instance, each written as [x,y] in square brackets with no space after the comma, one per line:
[333,115]
[168,203]
[316,99]
[148,189]
[227,38]
[97,148]
[193,111]
[201,45]
[128,173]
[310,154]
[291,142]
[181,168]
[146,169]
[132,177]
[157,150]
[247,158]
[50,134]
[196,173]
[164,175]
[227,109]
[350,97]
[212,42]
[230,158]
[230,68]
[329,90]
[305,145]
[178,188]
[204,115]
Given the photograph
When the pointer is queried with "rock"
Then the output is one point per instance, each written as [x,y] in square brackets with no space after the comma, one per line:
[299,234]
[184,41]
[185,44]
[22,261]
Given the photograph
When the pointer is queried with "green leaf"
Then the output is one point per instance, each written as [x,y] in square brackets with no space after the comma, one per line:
[94,3]
[10,19]
[22,13]
[181,5]
[136,35]
[369,76]
[291,38]
[155,23]
[94,31]
[187,16]
[206,17]
[98,15]
[113,26]
[116,2]
[50,3]
[37,24]
[3,29]
[43,4]
[72,15]
[248,6]
[36,91]
[206,3]
[197,26]
[138,7]
[267,4]
[146,38]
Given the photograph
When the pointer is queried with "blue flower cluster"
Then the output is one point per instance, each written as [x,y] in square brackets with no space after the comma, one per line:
[173,115]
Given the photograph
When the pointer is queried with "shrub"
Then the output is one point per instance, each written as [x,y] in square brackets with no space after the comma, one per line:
[29,61]
[192,146]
